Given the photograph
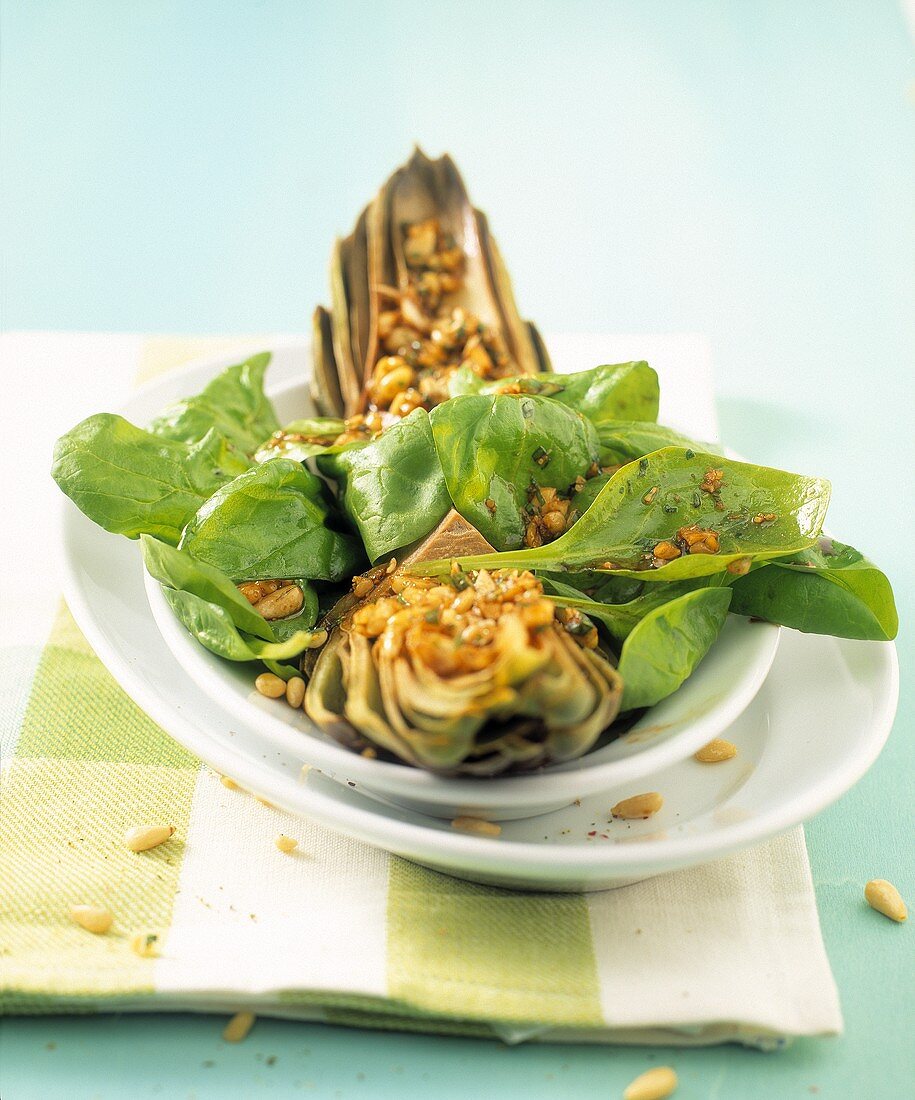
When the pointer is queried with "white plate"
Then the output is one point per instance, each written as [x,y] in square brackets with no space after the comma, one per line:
[707,703]
[815,727]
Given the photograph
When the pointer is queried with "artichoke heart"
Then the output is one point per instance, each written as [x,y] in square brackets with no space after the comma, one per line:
[419,289]
[478,674]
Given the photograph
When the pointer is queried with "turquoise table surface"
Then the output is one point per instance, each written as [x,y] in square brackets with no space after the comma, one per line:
[743,170]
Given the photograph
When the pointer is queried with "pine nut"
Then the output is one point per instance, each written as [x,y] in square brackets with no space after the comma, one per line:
[295,691]
[638,806]
[476,825]
[144,837]
[92,918]
[886,899]
[716,751]
[145,944]
[281,603]
[286,843]
[654,1084]
[264,802]
[362,586]
[238,1027]
[270,685]
[228,783]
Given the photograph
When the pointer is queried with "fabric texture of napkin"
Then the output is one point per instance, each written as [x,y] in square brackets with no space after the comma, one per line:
[337,931]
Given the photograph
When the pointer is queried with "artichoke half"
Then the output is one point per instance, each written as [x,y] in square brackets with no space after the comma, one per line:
[480,674]
[418,289]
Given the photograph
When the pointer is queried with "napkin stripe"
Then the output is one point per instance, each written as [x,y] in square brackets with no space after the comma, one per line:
[87,765]
[459,949]
[99,722]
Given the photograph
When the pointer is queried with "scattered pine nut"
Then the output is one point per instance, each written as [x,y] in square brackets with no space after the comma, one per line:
[886,899]
[143,837]
[92,918]
[295,691]
[715,751]
[654,1084]
[286,843]
[228,783]
[264,802]
[318,638]
[238,1027]
[271,685]
[476,825]
[145,944]
[638,806]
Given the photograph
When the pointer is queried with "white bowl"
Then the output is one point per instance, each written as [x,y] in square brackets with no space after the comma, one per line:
[712,698]
[706,704]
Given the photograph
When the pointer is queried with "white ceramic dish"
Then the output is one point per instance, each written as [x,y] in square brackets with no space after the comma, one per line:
[708,702]
[815,727]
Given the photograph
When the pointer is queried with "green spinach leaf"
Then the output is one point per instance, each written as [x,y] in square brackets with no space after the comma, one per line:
[234,403]
[213,627]
[829,589]
[666,646]
[496,452]
[624,440]
[589,492]
[132,482]
[756,512]
[302,439]
[620,619]
[272,522]
[618,391]
[392,489]
[179,570]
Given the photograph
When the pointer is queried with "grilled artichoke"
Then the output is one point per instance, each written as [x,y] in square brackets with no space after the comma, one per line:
[418,289]
[479,675]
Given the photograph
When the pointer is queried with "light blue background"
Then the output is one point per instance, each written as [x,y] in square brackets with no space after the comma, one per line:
[742,169]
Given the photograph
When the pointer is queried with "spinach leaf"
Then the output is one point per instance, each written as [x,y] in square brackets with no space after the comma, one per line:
[132,482]
[176,569]
[756,512]
[829,589]
[234,403]
[271,522]
[618,391]
[393,488]
[301,439]
[620,619]
[496,450]
[179,570]
[623,440]
[213,627]
[589,492]
[666,646]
